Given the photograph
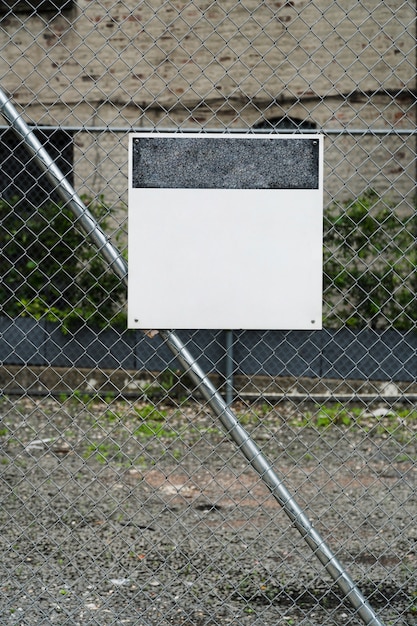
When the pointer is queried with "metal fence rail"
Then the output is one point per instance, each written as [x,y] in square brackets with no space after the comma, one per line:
[127,495]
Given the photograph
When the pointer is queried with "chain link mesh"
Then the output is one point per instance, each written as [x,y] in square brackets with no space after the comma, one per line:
[123,499]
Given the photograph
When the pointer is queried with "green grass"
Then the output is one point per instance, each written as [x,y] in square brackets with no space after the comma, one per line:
[152,428]
[149,411]
[106,452]
[152,423]
[337,414]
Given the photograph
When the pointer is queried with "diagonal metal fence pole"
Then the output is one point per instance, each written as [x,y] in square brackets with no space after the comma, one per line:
[266,471]
[226,416]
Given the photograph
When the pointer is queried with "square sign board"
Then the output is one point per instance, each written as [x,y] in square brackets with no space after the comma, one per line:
[225,231]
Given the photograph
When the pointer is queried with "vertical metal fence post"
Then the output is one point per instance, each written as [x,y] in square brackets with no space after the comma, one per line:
[226,416]
[229,367]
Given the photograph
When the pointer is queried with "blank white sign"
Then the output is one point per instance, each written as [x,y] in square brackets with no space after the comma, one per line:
[225,258]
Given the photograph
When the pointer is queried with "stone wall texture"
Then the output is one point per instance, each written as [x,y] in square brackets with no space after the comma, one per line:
[132,64]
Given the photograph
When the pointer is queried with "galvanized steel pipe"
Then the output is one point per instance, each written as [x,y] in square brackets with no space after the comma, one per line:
[226,416]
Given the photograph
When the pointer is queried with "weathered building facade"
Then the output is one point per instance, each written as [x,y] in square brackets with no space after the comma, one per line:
[347,68]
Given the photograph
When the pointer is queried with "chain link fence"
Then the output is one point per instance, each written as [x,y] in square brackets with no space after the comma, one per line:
[127,492]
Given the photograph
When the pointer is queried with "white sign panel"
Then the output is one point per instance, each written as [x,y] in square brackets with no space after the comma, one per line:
[225,231]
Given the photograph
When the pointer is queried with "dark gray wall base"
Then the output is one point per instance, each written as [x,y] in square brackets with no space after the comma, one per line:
[342,354]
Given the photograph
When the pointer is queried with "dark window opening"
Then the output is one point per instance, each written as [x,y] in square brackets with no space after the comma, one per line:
[285,123]
[22,177]
[34,6]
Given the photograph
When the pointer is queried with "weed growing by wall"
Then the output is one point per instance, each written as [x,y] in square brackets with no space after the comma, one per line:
[51,271]
[369,265]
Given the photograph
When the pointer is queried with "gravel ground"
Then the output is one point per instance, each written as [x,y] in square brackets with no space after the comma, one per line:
[133,513]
